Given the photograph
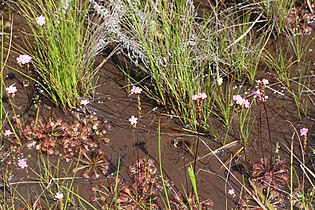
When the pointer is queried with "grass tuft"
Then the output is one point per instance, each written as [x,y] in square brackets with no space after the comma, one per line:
[61,49]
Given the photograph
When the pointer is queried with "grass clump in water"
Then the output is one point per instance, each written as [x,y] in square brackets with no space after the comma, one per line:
[184,54]
[59,47]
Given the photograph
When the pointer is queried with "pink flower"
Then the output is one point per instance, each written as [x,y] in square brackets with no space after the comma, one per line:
[265,82]
[133,120]
[11,89]
[257,94]
[303,132]
[22,163]
[23,59]
[199,96]
[203,96]
[59,196]
[238,99]
[7,133]
[195,97]
[241,101]
[135,90]
[41,20]
[246,103]
[231,192]
[262,82]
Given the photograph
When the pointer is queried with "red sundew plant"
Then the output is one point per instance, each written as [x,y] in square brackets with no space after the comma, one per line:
[13,154]
[300,18]
[269,177]
[93,163]
[180,202]
[145,191]
[78,140]
[270,174]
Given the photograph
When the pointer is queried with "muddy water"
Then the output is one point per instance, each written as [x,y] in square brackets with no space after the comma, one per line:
[177,146]
[112,103]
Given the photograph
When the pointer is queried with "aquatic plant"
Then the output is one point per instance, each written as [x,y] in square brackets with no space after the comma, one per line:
[267,178]
[76,143]
[78,140]
[92,162]
[266,174]
[144,191]
[61,54]
[299,19]
[181,54]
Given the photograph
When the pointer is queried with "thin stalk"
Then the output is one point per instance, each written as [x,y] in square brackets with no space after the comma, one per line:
[259,131]
[199,123]
[269,132]
[160,165]
[196,151]
[139,105]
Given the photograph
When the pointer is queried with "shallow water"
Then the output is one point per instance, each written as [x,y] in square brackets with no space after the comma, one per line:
[112,103]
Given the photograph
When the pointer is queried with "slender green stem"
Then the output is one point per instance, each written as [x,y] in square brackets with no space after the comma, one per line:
[161,166]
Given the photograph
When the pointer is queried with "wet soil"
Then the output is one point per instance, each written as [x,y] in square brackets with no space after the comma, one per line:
[127,144]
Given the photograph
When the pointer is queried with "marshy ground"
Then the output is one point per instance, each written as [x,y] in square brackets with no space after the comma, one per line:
[82,152]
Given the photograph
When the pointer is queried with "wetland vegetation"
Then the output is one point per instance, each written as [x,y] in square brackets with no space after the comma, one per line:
[171,104]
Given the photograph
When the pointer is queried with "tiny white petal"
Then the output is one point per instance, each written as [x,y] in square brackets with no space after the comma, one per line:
[59,196]
[133,120]
[84,102]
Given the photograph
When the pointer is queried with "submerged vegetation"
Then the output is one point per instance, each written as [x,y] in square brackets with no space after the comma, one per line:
[220,72]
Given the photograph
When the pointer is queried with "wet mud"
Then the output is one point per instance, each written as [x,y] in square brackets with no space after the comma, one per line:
[112,103]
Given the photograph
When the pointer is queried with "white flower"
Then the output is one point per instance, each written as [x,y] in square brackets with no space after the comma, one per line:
[41,20]
[135,90]
[133,120]
[23,59]
[220,80]
[59,196]
[231,192]
[84,102]
[7,133]
[11,89]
